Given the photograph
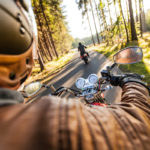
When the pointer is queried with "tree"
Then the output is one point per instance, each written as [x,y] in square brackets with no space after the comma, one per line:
[101,7]
[136,11]
[148,20]
[82,4]
[125,26]
[142,17]
[140,14]
[90,27]
[40,61]
[94,22]
[52,30]
[133,31]
[49,29]
[105,32]
[114,1]
[41,28]
[108,3]
[98,16]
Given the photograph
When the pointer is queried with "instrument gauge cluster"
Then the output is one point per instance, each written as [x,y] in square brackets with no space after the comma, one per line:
[93,78]
[80,83]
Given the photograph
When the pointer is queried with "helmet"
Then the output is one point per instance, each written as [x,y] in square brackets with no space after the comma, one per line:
[17,40]
[80,43]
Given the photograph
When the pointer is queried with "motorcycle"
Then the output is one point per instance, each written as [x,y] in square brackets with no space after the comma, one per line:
[84,57]
[92,89]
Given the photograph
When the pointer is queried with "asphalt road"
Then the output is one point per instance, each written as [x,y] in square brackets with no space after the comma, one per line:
[76,68]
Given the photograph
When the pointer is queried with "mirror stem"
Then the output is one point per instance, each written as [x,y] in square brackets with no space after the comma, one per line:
[113,65]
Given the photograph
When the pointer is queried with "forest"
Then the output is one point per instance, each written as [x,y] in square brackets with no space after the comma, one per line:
[54,39]
[116,19]
[117,24]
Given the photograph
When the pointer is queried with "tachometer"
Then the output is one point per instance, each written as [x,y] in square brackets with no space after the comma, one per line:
[93,78]
[80,83]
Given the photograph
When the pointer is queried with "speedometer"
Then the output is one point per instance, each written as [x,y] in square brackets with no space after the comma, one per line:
[80,83]
[93,78]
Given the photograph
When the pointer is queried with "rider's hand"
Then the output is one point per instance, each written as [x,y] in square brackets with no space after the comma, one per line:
[121,80]
[131,78]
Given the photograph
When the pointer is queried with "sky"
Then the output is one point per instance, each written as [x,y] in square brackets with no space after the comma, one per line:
[74,19]
[78,26]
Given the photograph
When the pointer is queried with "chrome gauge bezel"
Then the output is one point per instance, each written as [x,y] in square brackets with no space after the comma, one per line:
[78,83]
[92,76]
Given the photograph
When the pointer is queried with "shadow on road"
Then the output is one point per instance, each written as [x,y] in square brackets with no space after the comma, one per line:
[76,69]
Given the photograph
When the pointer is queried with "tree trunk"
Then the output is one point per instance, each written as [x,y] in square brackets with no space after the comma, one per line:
[104,22]
[49,30]
[133,31]
[117,18]
[42,52]
[121,12]
[103,16]
[48,41]
[140,14]
[41,28]
[43,49]
[136,11]
[40,61]
[109,12]
[90,27]
[128,16]
[94,22]
[98,16]
[50,44]
[143,18]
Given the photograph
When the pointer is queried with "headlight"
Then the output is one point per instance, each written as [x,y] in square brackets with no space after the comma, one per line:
[80,83]
[93,78]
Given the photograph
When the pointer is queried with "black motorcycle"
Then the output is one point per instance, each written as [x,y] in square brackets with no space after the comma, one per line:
[84,57]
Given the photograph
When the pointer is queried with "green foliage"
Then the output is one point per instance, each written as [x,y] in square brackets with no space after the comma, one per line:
[148,19]
[109,51]
[56,20]
[143,67]
[86,41]
[82,3]
[50,69]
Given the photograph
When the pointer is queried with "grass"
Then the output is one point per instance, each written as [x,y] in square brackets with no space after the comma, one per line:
[109,51]
[51,68]
[143,67]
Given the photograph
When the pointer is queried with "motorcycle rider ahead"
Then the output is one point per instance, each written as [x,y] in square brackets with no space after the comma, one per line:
[81,48]
[55,123]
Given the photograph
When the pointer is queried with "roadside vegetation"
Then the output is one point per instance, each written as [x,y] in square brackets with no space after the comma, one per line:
[122,23]
[117,24]
[143,67]
[50,69]
[54,39]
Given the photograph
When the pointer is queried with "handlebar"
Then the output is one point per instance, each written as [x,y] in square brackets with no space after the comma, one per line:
[61,90]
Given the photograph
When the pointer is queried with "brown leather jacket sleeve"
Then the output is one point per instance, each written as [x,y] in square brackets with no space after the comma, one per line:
[53,123]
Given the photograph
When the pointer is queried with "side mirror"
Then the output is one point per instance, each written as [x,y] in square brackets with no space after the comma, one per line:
[32,88]
[129,55]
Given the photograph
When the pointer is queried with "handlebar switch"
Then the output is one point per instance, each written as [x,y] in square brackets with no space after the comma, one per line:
[105,73]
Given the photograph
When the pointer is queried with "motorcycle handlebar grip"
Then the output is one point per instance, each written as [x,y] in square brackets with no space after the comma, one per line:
[114,80]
